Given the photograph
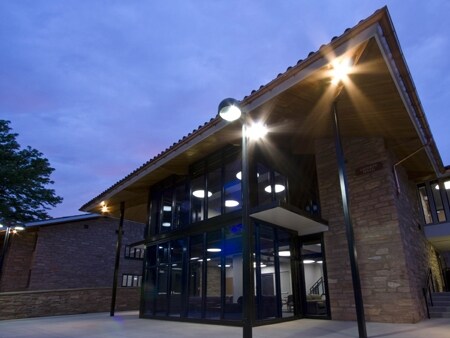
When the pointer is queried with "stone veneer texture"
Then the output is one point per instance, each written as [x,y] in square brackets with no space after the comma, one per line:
[392,257]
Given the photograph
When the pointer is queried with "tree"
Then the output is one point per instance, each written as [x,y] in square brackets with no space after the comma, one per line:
[24,179]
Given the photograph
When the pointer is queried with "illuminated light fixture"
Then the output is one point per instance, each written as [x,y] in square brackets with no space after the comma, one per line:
[201,260]
[1,225]
[226,265]
[446,185]
[231,203]
[261,265]
[278,188]
[284,254]
[340,70]
[167,208]
[229,109]
[319,262]
[257,131]
[308,261]
[166,224]
[103,206]
[19,228]
[214,250]
[194,258]
[201,193]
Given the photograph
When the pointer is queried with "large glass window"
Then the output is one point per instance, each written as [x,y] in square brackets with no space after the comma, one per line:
[181,203]
[198,198]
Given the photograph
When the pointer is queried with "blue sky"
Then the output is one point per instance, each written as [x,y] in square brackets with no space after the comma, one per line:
[100,87]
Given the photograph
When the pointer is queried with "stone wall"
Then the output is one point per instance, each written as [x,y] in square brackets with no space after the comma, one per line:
[384,228]
[26,304]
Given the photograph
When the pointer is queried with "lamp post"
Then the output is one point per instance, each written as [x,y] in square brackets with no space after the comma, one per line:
[230,110]
[9,229]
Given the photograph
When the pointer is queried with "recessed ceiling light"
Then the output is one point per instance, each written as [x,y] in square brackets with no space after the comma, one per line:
[231,203]
[201,193]
[278,188]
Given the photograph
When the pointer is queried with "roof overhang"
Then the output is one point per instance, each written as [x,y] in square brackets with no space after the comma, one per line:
[289,217]
[380,101]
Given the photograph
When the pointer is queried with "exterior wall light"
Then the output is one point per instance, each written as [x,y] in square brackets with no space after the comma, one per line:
[229,109]
[340,70]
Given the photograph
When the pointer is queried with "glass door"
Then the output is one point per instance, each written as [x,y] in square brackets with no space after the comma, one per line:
[314,278]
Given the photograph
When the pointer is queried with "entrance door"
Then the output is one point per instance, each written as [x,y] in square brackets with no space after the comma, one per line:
[314,291]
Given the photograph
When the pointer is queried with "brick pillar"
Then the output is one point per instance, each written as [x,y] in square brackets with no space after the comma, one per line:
[380,220]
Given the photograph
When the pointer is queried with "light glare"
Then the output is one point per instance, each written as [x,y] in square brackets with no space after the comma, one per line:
[340,70]
[257,131]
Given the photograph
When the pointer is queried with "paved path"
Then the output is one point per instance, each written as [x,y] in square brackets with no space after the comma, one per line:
[128,325]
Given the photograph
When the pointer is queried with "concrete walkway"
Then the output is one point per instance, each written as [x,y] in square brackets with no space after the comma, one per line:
[128,325]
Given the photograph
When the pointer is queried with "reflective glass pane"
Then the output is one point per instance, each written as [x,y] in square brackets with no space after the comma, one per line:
[213,276]
[215,193]
[280,187]
[233,272]
[166,219]
[425,203]
[149,291]
[447,189]
[285,257]
[438,201]
[232,186]
[264,185]
[177,249]
[266,275]
[161,291]
[312,261]
[181,212]
[196,261]
[198,198]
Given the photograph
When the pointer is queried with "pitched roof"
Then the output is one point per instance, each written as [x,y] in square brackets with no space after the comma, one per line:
[380,16]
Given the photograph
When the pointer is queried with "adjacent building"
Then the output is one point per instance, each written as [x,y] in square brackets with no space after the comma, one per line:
[289,258]
[66,265]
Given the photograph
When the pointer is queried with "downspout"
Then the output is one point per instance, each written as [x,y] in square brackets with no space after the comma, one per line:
[397,182]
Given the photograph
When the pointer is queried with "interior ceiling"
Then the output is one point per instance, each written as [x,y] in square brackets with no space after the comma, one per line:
[369,105]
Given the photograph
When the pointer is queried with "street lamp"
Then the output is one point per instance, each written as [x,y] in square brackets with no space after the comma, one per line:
[230,110]
[8,230]
[340,70]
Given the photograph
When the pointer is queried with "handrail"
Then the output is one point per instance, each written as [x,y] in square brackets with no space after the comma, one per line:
[315,289]
[427,291]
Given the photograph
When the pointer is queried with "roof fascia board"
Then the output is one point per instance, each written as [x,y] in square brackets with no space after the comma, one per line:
[402,90]
[333,53]
[159,162]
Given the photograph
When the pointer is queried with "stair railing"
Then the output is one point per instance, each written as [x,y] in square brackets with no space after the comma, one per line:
[427,291]
[317,287]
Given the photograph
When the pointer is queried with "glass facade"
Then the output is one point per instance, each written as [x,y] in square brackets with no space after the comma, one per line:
[194,247]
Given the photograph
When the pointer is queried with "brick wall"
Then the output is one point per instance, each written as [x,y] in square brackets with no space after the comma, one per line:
[82,254]
[69,255]
[17,263]
[63,302]
[392,251]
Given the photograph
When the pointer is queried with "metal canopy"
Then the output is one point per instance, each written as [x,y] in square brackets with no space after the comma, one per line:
[287,216]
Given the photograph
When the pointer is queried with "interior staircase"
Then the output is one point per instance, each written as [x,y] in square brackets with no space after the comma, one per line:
[441,305]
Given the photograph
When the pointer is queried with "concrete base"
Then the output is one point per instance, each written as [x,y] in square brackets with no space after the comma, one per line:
[127,324]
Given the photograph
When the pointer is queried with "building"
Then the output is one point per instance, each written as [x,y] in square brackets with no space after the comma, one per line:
[70,258]
[288,254]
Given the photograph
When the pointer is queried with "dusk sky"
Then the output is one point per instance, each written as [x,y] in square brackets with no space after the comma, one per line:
[100,87]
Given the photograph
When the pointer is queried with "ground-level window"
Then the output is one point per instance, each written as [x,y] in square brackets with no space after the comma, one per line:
[134,252]
[130,280]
